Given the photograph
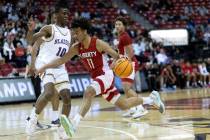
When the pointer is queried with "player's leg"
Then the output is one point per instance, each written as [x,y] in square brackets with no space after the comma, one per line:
[127,84]
[66,98]
[88,96]
[136,111]
[99,85]
[55,105]
[39,106]
[69,126]
[153,99]
[43,100]
[63,88]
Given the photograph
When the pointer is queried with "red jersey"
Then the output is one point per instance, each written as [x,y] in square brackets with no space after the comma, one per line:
[187,69]
[94,61]
[125,40]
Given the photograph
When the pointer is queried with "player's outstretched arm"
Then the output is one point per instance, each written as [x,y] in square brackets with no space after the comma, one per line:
[104,47]
[45,31]
[129,51]
[34,51]
[71,53]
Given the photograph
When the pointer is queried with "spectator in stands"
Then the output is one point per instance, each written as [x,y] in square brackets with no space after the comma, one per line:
[136,48]
[152,74]
[204,73]
[85,14]
[161,57]
[197,74]
[208,65]
[207,37]
[189,75]
[13,16]
[177,70]
[191,29]
[167,78]
[23,41]
[122,12]
[202,10]
[188,9]
[20,56]
[8,48]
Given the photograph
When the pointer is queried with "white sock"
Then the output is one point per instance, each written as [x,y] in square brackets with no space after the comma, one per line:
[76,120]
[55,115]
[188,83]
[147,100]
[140,107]
[33,113]
[133,108]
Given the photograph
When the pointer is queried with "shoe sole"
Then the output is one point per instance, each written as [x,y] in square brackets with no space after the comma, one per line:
[143,114]
[127,115]
[162,106]
[68,127]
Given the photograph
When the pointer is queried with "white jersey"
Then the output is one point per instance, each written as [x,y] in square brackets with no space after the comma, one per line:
[54,47]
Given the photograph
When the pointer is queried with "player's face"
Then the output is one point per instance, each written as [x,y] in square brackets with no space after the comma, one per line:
[63,15]
[119,26]
[79,34]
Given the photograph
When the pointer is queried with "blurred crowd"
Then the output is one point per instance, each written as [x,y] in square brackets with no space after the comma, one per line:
[163,67]
[166,68]
[192,15]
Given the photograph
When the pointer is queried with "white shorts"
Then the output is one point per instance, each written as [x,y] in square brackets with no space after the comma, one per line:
[205,74]
[131,77]
[58,76]
[104,85]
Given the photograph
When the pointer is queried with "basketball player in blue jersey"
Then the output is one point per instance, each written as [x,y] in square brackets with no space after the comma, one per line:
[57,40]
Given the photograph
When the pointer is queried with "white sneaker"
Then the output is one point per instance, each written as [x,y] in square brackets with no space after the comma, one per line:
[157,102]
[130,112]
[139,113]
[67,125]
[31,125]
[62,134]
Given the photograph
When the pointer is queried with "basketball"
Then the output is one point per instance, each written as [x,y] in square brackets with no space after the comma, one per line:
[123,68]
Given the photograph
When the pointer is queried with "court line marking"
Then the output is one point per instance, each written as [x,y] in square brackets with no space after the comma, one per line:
[111,129]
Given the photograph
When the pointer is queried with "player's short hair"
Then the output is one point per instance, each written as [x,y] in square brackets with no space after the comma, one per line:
[122,19]
[81,22]
[61,4]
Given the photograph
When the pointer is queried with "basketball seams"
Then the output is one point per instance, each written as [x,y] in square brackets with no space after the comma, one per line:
[118,65]
[124,69]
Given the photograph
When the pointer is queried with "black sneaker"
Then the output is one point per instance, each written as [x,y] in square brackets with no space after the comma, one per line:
[55,123]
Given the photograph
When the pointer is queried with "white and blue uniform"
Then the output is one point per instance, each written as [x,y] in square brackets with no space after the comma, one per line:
[51,49]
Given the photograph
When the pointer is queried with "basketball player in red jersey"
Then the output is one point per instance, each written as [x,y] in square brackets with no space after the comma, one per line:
[91,51]
[125,48]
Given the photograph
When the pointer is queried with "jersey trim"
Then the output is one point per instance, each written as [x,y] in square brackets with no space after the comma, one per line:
[61,31]
[61,82]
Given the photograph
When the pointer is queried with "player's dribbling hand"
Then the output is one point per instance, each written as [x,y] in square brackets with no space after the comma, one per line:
[123,56]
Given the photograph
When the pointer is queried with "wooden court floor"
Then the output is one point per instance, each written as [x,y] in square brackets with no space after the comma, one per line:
[187,118]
